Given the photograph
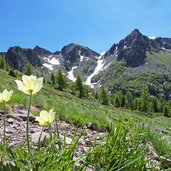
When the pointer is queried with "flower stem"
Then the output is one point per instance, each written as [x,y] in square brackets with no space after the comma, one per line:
[27,127]
[57,130]
[40,138]
[4,124]
[50,130]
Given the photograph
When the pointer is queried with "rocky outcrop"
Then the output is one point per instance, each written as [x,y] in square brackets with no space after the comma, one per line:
[16,124]
[41,51]
[72,54]
[133,48]
[18,57]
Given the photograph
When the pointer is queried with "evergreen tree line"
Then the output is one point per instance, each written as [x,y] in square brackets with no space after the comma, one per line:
[60,81]
[145,103]
[4,66]
[28,68]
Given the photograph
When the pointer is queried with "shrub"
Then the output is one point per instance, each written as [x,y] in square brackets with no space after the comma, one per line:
[166,111]
[12,73]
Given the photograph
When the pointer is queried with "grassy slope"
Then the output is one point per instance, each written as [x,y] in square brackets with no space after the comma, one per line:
[162,57]
[81,111]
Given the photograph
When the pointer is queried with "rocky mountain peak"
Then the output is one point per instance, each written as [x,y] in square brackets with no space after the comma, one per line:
[135,33]
[135,38]
[74,53]
[56,52]
[79,49]
[41,51]
[17,57]
[132,49]
[76,59]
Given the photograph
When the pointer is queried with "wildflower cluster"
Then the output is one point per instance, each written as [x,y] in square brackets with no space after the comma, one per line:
[29,85]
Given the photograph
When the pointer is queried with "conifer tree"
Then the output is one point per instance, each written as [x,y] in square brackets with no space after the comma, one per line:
[112,100]
[151,106]
[12,73]
[144,100]
[80,86]
[139,105]
[3,63]
[123,101]
[130,100]
[44,80]
[166,111]
[119,94]
[117,102]
[28,69]
[61,80]
[135,104]
[160,105]
[96,95]
[104,96]
[7,67]
[154,104]
[86,89]
[53,79]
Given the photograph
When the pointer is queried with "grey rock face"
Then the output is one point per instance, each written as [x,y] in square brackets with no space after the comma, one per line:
[72,52]
[132,49]
[18,57]
[41,51]
[35,137]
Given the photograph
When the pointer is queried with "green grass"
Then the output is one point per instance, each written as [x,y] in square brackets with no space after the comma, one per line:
[81,112]
[163,57]
[123,149]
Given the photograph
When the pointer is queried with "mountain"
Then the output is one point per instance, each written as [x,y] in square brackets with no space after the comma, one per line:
[137,61]
[72,59]
[78,59]
[134,61]
[17,57]
[132,49]
[73,54]
[41,51]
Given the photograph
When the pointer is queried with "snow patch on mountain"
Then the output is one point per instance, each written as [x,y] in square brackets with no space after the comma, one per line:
[166,49]
[152,37]
[54,61]
[102,53]
[107,66]
[99,67]
[81,58]
[71,73]
[49,66]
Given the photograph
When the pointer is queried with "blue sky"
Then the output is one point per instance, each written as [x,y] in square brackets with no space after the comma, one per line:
[97,24]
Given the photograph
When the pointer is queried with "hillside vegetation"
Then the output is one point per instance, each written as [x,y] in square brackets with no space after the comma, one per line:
[120,123]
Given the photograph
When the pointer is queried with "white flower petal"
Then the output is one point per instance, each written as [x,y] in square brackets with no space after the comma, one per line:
[30,84]
[27,82]
[38,85]
[1,97]
[6,95]
[46,117]
[21,86]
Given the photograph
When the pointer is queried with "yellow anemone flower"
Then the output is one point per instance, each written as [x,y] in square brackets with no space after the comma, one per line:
[5,95]
[30,84]
[46,117]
